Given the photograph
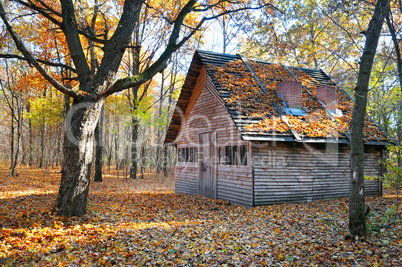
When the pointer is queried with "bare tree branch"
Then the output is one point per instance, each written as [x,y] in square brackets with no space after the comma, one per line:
[172,46]
[45,62]
[42,11]
[70,29]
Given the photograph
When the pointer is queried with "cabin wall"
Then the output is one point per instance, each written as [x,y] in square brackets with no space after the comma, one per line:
[206,113]
[300,173]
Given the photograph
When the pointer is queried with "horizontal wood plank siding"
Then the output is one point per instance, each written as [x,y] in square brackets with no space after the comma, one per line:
[285,173]
[209,114]
[235,184]
[186,179]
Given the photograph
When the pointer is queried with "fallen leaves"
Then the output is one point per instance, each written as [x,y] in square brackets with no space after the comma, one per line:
[142,222]
[244,96]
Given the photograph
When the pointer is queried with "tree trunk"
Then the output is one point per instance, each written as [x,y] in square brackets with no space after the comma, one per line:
[17,148]
[78,151]
[116,151]
[135,54]
[143,160]
[12,165]
[99,147]
[357,217]
[134,158]
[391,27]
[30,145]
[165,161]
[160,131]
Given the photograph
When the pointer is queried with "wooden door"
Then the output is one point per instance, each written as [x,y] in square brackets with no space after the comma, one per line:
[207,170]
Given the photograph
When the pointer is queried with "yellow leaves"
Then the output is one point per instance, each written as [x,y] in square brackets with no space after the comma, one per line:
[46,110]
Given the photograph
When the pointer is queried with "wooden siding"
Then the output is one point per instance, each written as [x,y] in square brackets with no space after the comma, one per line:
[294,173]
[235,184]
[207,113]
[186,178]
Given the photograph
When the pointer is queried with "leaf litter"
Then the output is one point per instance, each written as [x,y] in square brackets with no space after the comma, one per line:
[144,223]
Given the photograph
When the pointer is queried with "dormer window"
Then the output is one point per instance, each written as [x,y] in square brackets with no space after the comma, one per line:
[327,95]
[291,94]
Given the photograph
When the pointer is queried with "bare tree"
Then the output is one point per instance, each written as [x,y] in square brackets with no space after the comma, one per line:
[357,217]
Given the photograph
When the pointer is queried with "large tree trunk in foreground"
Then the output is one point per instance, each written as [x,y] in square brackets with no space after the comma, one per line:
[78,151]
[357,217]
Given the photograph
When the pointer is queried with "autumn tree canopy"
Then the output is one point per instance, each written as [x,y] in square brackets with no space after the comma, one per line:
[77,27]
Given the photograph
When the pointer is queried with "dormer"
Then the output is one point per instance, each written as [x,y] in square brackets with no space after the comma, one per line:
[291,93]
[327,95]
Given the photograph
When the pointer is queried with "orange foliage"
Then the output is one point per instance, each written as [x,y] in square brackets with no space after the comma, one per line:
[143,223]
[247,98]
[245,94]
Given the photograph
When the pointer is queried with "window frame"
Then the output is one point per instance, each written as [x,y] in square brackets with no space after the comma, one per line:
[231,155]
[187,154]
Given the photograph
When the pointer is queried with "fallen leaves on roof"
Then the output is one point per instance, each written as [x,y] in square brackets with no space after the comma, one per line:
[143,223]
[242,94]
[371,131]
[268,125]
[315,124]
[245,96]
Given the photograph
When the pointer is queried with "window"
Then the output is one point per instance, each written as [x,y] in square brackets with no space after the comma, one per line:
[187,154]
[233,155]
[228,155]
[243,155]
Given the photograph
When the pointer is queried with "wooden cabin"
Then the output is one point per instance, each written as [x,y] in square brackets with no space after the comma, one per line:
[257,133]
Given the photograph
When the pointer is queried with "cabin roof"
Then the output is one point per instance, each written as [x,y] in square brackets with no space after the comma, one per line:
[248,90]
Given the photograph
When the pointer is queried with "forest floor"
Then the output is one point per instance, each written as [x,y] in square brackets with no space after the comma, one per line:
[142,222]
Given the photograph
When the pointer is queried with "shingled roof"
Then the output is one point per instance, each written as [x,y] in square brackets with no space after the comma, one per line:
[249,89]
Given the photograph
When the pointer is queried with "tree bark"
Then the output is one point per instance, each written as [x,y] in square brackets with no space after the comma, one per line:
[134,117]
[134,158]
[99,147]
[30,145]
[78,151]
[357,217]
[12,163]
